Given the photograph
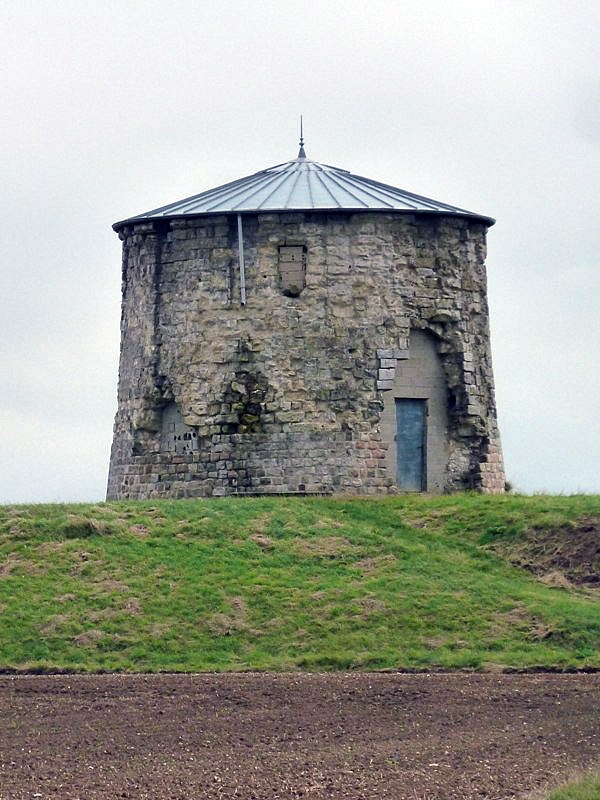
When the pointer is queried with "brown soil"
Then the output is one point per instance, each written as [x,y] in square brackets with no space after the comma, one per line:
[267,736]
[562,556]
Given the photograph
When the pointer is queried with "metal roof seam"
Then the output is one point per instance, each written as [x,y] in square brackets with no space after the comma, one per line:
[248,194]
[272,192]
[333,197]
[299,174]
[188,200]
[412,195]
[339,181]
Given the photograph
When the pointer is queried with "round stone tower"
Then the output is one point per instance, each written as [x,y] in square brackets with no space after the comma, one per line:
[304,330]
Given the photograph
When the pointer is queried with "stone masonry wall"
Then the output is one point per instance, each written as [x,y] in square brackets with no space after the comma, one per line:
[286,393]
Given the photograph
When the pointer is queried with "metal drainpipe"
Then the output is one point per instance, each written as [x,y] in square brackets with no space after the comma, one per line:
[241,260]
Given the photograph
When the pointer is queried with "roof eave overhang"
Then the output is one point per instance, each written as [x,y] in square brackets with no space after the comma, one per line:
[141,220]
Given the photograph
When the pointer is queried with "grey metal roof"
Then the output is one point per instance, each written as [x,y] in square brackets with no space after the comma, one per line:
[302,185]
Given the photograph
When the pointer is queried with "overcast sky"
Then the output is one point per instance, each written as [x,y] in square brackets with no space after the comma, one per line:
[112,108]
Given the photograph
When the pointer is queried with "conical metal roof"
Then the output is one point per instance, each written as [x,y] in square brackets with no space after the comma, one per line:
[302,185]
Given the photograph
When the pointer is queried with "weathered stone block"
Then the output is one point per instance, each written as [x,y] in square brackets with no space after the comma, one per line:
[387,374]
[401,353]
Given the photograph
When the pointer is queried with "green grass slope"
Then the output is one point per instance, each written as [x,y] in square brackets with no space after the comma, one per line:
[411,582]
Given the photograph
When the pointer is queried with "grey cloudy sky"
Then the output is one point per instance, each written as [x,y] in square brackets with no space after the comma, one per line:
[112,108]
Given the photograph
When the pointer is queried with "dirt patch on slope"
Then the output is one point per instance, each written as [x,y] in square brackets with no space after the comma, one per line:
[315,737]
[562,556]
[326,546]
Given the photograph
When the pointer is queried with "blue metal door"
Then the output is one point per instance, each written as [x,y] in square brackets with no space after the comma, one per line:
[411,420]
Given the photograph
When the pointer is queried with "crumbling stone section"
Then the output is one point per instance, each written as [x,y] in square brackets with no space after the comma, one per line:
[287,393]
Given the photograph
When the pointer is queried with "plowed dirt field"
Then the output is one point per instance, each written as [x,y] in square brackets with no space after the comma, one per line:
[267,736]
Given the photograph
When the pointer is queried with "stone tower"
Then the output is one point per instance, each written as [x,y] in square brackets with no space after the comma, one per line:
[304,330]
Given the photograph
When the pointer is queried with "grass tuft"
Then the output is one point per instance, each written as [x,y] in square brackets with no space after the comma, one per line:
[583,788]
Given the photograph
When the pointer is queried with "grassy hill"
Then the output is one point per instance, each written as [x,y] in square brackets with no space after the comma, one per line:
[411,582]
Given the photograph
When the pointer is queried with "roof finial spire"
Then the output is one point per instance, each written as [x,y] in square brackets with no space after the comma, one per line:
[301,153]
